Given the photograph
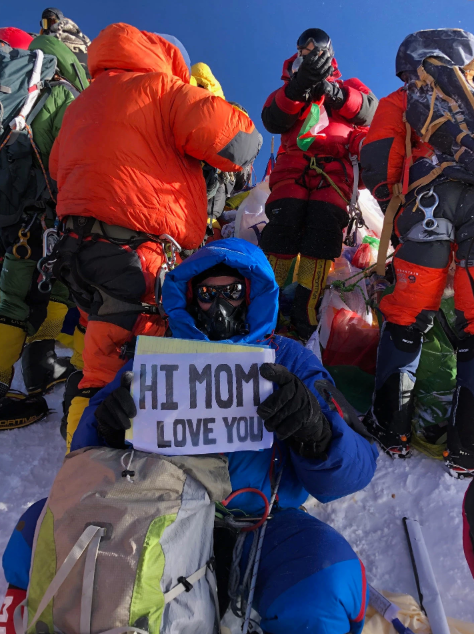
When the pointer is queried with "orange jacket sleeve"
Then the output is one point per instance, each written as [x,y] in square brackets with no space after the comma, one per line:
[383,153]
[212,130]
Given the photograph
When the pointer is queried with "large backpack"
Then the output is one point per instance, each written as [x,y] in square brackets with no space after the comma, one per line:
[440,109]
[125,541]
[24,89]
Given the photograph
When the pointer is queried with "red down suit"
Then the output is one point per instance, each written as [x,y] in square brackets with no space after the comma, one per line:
[307,214]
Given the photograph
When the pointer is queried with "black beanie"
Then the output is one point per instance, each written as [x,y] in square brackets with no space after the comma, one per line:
[218,270]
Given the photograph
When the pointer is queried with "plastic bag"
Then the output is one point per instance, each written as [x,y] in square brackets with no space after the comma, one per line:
[250,219]
[313,345]
[372,214]
[352,342]
[366,254]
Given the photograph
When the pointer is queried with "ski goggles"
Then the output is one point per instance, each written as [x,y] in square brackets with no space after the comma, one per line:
[47,23]
[231,292]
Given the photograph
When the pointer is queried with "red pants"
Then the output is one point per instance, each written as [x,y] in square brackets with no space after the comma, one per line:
[421,267]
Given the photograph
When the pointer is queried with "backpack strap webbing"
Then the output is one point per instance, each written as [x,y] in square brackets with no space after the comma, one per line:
[89,539]
[39,104]
[400,191]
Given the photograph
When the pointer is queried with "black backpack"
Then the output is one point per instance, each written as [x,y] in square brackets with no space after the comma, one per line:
[22,182]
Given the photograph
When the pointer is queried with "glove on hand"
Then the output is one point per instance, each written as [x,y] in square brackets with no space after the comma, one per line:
[334,95]
[114,413]
[316,66]
[294,414]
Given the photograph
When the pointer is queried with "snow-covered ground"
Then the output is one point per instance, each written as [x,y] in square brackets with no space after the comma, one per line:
[371,520]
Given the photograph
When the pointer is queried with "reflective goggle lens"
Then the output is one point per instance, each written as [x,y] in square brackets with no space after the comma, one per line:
[208,294]
[47,22]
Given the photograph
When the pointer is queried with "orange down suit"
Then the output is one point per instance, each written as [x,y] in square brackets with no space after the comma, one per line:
[421,266]
[129,154]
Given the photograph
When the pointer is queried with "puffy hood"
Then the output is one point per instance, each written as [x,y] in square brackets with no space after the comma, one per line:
[68,65]
[454,47]
[202,75]
[174,40]
[287,73]
[251,262]
[123,47]
[16,38]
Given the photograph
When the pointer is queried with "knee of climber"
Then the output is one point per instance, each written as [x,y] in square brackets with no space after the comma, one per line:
[283,233]
[417,294]
[399,352]
[322,589]
[52,325]
[281,265]
[464,300]
[101,355]
[76,409]
[324,227]
[12,340]
[17,556]
[16,280]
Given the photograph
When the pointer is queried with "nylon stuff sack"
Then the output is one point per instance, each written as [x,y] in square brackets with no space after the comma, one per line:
[125,541]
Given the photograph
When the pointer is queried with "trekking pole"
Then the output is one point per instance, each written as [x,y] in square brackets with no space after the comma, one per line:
[430,600]
[258,554]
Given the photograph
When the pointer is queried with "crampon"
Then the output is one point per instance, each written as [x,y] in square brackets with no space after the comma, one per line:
[459,466]
[394,445]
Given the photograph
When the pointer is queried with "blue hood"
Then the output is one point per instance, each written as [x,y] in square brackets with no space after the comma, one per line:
[251,262]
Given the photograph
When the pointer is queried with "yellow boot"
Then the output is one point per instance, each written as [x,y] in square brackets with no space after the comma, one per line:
[312,277]
[78,347]
[281,265]
[12,340]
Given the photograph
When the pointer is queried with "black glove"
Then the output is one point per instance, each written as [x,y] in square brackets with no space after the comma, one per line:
[114,413]
[334,95]
[293,413]
[316,66]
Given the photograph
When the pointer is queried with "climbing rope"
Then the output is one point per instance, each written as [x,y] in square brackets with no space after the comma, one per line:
[343,287]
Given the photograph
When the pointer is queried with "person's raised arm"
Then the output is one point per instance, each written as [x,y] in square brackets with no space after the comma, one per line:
[212,130]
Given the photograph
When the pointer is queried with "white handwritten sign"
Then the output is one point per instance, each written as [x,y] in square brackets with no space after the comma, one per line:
[196,403]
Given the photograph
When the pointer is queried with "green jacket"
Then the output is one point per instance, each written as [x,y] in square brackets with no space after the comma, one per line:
[47,122]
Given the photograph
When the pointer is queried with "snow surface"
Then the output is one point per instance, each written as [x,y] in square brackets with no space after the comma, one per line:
[371,520]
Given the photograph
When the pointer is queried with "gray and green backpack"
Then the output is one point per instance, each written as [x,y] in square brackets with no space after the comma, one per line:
[125,543]
[22,182]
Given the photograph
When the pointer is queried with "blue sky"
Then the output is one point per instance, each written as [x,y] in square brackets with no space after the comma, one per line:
[245,42]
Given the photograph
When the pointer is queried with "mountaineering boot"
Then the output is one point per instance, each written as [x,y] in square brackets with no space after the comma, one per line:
[21,411]
[459,457]
[12,339]
[42,368]
[389,419]
[72,390]
[312,277]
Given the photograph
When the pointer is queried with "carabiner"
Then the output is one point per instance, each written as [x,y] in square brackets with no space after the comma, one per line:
[430,222]
[22,243]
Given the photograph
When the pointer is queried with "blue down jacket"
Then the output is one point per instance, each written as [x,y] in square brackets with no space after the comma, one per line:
[351,459]
[310,579]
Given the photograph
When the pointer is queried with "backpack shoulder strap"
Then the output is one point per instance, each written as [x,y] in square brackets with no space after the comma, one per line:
[39,104]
